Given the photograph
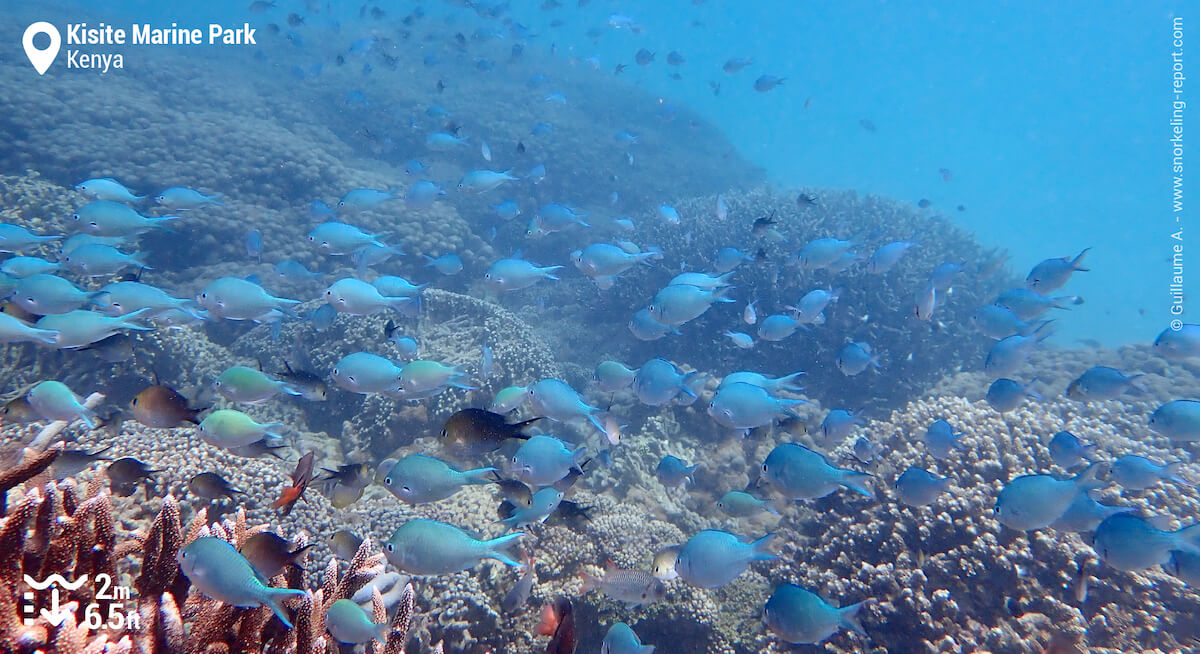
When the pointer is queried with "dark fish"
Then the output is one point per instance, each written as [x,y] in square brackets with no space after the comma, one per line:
[111,421]
[867,125]
[806,200]
[558,622]
[519,595]
[924,203]
[675,59]
[269,552]
[161,406]
[715,86]
[763,224]
[259,448]
[471,432]
[344,544]
[573,475]
[377,13]
[515,492]
[520,147]
[74,461]
[573,514]
[295,20]
[355,475]
[17,312]
[441,86]
[619,69]
[259,6]
[962,207]
[128,471]
[211,486]
[643,57]
[114,349]
[300,480]
[18,412]
[311,387]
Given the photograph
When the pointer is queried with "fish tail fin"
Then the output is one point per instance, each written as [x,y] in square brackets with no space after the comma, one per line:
[596,423]
[274,598]
[272,429]
[480,476]
[785,382]
[857,482]
[1089,477]
[718,295]
[88,416]
[1078,258]
[381,632]
[762,548]
[1189,538]
[46,336]
[1171,471]
[495,548]
[683,383]
[848,617]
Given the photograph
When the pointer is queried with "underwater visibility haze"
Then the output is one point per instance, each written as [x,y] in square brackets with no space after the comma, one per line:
[565,326]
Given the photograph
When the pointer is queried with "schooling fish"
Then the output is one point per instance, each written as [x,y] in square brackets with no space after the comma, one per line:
[53,400]
[228,428]
[216,569]
[178,197]
[799,616]
[105,218]
[543,503]
[543,460]
[558,401]
[1052,274]
[161,406]
[78,329]
[13,330]
[1100,383]
[349,624]
[941,439]
[22,267]
[1178,420]
[517,274]
[508,399]
[474,432]
[1127,541]
[46,294]
[308,385]
[428,547]
[250,386]
[1135,472]
[337,238]
[854,358]
[713,558]
[1178,344]
[418,478]
[1068,451]
[1005,394]
[211,486]
[673,471]
[270,553]
[363,372]
[742,406]
[233,298]
[918,487]
[358,298]
[1034,501]
[802,474]
[107,188]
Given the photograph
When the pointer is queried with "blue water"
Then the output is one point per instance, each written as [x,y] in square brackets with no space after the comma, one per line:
[1053,119]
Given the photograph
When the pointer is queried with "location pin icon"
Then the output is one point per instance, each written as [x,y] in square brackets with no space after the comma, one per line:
[41,59]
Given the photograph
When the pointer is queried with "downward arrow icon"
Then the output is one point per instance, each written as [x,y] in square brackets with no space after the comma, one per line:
[55,615]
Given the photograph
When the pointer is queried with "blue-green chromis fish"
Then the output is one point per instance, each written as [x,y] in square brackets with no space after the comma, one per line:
[713,558]
[418,478]
[53,400]
[428,547]
[216,569]
[802,617]
[348,623]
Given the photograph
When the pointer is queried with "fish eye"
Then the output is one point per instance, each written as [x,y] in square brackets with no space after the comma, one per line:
[390,547]
[387,481]
[764,467]
[341,203]
[335,372]
[514,459]
[75,216]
